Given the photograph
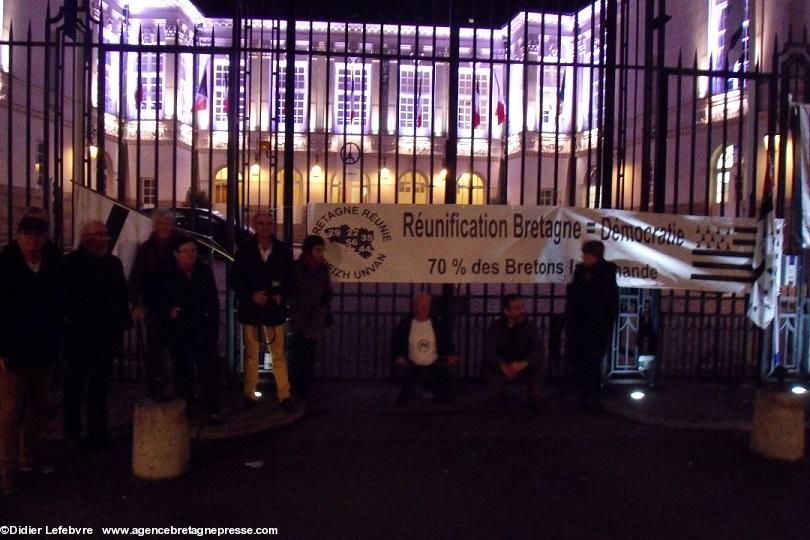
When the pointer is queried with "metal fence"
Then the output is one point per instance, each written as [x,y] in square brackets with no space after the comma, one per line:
[581,107]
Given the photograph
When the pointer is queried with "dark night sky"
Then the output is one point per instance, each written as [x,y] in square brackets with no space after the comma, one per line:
[487,13]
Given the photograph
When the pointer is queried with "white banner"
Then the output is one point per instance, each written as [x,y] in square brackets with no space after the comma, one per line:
[531,244]
[127,227]
[803,111]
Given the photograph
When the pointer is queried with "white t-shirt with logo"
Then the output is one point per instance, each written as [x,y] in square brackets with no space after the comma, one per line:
[422,349]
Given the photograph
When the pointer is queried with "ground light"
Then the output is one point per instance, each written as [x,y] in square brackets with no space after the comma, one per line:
[257,394]
[637,395]
[799,390]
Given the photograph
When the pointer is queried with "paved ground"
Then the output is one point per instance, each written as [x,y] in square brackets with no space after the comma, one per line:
[358,465]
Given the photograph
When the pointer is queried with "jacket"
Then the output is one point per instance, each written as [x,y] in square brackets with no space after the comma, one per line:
[503,343]
[30,319]
[250,275]
[591,307]
[94,302]
[311,301]
[198,300]
[152,261]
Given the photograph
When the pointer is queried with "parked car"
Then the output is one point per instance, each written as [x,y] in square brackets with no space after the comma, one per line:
[207,225]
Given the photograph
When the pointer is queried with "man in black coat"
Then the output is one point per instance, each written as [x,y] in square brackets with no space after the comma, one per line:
[96,314]
[592,304]
[153,260]
[262,280]
[422,348]
[29,346]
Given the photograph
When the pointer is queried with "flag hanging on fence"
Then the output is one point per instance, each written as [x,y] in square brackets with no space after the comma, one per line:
[803,224]
[476,103]
[500,110]
[201,97]
[767,250]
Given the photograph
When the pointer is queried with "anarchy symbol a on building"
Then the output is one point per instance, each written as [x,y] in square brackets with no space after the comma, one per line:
[350,153]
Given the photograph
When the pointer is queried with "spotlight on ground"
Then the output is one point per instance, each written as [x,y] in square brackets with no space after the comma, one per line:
[257,394]
[637,395]
[799,390]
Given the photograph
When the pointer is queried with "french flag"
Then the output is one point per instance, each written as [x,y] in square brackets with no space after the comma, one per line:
[476,113]
[201,97]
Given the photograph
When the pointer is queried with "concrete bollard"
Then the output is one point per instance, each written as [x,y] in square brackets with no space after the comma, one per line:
[160,439]
[778,431]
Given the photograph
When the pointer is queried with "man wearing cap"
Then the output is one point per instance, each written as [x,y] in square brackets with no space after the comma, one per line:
[29,346]
[96,314]
[591,307]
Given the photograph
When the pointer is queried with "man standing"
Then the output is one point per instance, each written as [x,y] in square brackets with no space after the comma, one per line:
[96,315]
[591,307]
[513,350]
[262,281]
[29,346]
[153,260]
[422,348]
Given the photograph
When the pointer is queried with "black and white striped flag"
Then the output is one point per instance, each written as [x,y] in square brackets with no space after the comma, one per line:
[767,250]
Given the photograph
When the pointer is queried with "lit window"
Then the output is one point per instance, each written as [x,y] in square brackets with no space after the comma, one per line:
[728,41]
[300,95]
[352,96]
[221,186]
[298,191]
[470,189]
[467,110]
[148,192]
[547,197]
[352,191]
[412,188]
[415,98]
[149,90]
[723,166]
[551,92]
[221,99]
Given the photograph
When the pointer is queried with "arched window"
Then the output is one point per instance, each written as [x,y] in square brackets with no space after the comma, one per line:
[355,192]
[412,188]
[722,165]
[470,189]
[221,186]
[298,188]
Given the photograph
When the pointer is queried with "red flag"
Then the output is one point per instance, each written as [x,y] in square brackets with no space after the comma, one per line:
[351,94]
[139,94]
[476,103]
[201,97]
[500,110]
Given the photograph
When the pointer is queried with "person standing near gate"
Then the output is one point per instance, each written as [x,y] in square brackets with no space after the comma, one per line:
[262,280]
[310,313]
[153,259]
[591,307]
[190,314]
[29,347]
[96,314]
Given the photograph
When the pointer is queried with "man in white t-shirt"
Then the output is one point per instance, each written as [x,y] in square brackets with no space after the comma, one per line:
[422,349]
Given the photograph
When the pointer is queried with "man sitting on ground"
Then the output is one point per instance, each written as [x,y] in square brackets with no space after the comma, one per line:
[422,349]
[513,350]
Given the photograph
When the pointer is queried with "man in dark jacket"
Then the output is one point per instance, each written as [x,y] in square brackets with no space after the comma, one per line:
[29,345]
[96,314]
[513,350]
[262,280]
[189,316]
[422,348]
[591,307]
[153,259]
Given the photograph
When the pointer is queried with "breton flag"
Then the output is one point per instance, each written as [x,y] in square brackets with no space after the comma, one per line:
[201,97]
[767,251]
[803,110]
[476,103]
[500,110]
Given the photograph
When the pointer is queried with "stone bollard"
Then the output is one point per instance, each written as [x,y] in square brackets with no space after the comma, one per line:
[778,431]
[160,439]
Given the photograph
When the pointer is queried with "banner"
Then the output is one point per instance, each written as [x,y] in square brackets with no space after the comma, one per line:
[127,227]
[531,244]
[803,224]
